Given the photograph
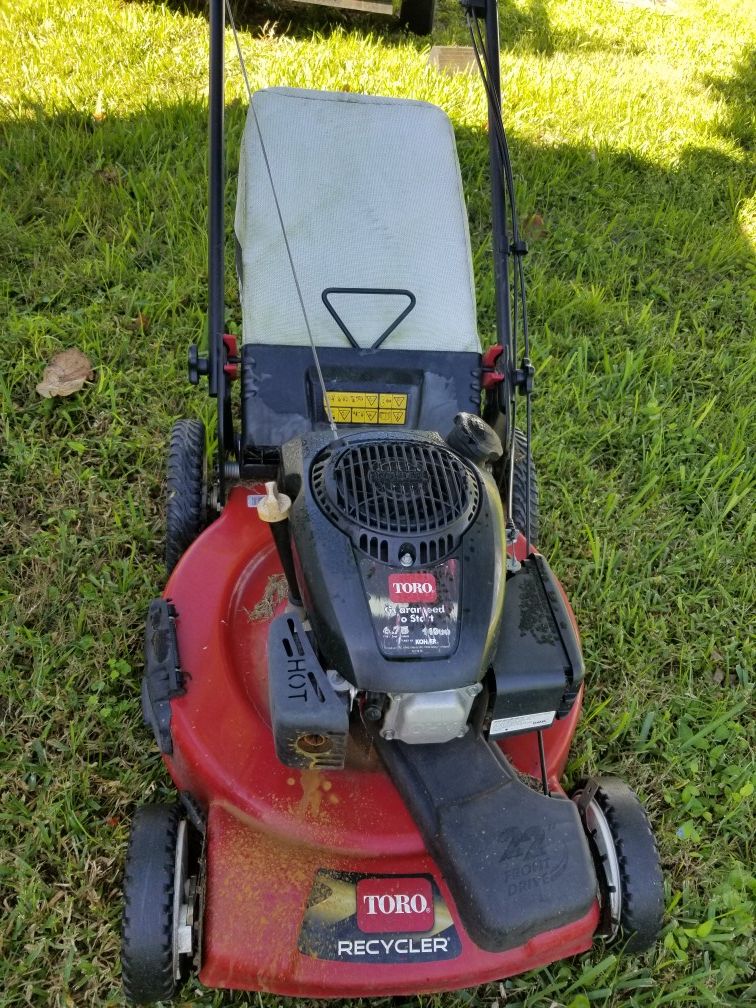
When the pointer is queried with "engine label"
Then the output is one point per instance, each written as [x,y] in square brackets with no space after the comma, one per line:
[415,613]
[351,917]
[523,722]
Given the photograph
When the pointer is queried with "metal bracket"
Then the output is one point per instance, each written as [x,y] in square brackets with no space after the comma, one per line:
[524,377]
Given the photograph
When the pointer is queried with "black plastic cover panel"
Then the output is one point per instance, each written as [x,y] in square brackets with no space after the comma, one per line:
[347,588]
[282,398]
[538,665]
[382,489]
[162,678]
[516,861]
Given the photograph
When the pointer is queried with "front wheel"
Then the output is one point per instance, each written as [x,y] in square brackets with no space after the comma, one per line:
[627,862]
[418,15]
[159,927]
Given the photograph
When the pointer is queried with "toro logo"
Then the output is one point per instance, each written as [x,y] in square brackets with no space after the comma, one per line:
[412,588]
[394,904]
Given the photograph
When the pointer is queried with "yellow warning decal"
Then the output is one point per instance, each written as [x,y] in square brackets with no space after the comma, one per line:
[368,407]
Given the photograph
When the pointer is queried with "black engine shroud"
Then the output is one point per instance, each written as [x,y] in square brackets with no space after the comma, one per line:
[399,545]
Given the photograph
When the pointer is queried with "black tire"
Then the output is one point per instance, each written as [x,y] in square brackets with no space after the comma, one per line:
[522,462]
[641,884]
[147,963]
[417,15]
[187,489]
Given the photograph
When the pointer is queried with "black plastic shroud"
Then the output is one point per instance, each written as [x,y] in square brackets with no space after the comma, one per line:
[538,664]
[395,489]
[435,385]
[309,720]
[332,588]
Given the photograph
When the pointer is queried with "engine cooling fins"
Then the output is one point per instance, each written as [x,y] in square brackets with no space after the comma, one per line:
[384,490]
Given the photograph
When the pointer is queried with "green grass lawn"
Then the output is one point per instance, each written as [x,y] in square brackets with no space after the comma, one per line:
[633,139]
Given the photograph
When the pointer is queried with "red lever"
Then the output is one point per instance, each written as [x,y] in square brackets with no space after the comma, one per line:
[490,376]
[232,352]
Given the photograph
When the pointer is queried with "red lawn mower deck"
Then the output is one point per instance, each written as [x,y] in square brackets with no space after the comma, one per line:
[289,851]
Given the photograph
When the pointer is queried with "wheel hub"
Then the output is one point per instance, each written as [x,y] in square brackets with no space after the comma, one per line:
[597,827]
[184,902]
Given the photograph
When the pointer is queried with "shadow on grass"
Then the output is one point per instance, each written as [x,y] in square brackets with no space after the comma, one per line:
[105,224]
[526,27]
[739,94]
[612,220]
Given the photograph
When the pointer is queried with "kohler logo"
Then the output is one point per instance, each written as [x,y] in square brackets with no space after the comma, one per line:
[398,476]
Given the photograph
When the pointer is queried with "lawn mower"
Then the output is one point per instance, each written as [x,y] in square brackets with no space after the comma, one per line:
[362,675]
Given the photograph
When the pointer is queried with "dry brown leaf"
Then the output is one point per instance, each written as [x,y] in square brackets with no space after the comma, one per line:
[99,113]
[534,228]
[109,174]
[65,374]
[140,324]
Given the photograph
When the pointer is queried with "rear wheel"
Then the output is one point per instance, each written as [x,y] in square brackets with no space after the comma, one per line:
[630,877]
[159,905]
[187,489]
[523,461]
[418,15]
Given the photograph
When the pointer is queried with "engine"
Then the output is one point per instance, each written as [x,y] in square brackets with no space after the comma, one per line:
[399,548]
